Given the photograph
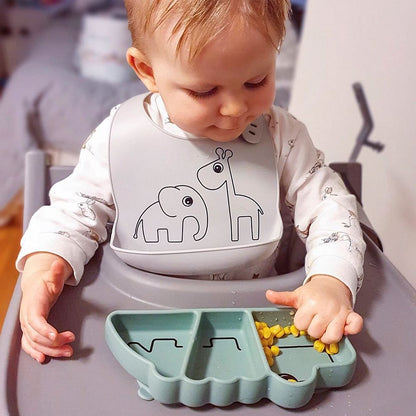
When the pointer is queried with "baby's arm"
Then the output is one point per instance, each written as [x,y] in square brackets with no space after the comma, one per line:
[325,218]
[72,227]
[324,308]
[42,282]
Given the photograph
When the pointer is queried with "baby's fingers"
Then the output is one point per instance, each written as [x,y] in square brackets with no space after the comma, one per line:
[37,327]
[39,351]
[282,298]
[35,354]
[342,325]
[353,324]
[334,331]
[49,337]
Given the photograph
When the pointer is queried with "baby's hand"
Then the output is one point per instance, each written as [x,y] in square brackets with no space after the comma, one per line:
[42,282]
[324,308]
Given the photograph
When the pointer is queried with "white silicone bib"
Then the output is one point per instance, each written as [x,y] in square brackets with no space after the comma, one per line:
[191,206]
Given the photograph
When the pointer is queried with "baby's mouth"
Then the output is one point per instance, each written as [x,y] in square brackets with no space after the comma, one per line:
[236,125]
[232,127]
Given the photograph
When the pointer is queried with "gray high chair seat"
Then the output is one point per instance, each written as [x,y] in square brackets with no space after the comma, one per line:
[92,382]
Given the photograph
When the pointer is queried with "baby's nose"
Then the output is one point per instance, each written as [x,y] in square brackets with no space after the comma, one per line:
[233,106]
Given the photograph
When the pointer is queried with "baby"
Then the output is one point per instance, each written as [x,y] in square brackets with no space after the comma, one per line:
[210,70]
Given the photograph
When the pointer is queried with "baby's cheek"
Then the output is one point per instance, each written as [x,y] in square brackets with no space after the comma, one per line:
[190,119]
[265,100]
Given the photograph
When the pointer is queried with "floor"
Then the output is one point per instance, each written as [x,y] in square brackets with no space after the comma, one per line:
[10,235]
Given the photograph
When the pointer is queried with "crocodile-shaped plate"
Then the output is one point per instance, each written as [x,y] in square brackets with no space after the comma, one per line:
[215,356]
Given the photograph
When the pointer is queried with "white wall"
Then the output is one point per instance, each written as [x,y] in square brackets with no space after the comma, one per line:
[374,42]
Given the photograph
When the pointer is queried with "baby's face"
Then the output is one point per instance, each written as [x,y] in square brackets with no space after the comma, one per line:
[220,92]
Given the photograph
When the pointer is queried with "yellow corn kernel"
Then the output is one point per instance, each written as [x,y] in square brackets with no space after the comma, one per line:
[275,329]
[331,349]
[260,332]
[270,361]
[268,352]
[281,333]
[319,345]
[302,332]
[264,342]
[266,332]
[292,380]
[294,331]
[270,341]
[287,330]
[275,350]
[260,325]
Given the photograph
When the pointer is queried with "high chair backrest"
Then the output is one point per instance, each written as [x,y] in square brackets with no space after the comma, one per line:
[39,177]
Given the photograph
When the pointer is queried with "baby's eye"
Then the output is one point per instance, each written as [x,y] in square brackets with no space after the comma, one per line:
[202,94]
[259,84]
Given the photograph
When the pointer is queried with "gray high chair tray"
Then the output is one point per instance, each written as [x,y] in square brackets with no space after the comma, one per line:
[94,383]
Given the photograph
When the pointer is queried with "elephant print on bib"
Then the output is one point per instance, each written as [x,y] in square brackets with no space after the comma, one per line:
[181,214]
[169,214]
[217,174]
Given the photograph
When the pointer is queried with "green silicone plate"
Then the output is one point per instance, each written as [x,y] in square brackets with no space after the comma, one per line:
[215,356]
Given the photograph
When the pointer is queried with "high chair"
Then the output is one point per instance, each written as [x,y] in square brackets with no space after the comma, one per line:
[93,382]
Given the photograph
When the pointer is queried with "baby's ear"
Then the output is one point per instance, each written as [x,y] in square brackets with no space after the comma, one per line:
[141,66]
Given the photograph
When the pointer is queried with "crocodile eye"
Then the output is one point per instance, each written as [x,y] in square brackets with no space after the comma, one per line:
[187,201]
[218,167]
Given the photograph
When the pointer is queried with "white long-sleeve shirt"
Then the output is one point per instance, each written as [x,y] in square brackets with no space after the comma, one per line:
[324,213]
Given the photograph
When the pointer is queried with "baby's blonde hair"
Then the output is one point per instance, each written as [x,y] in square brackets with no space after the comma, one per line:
[200,21]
